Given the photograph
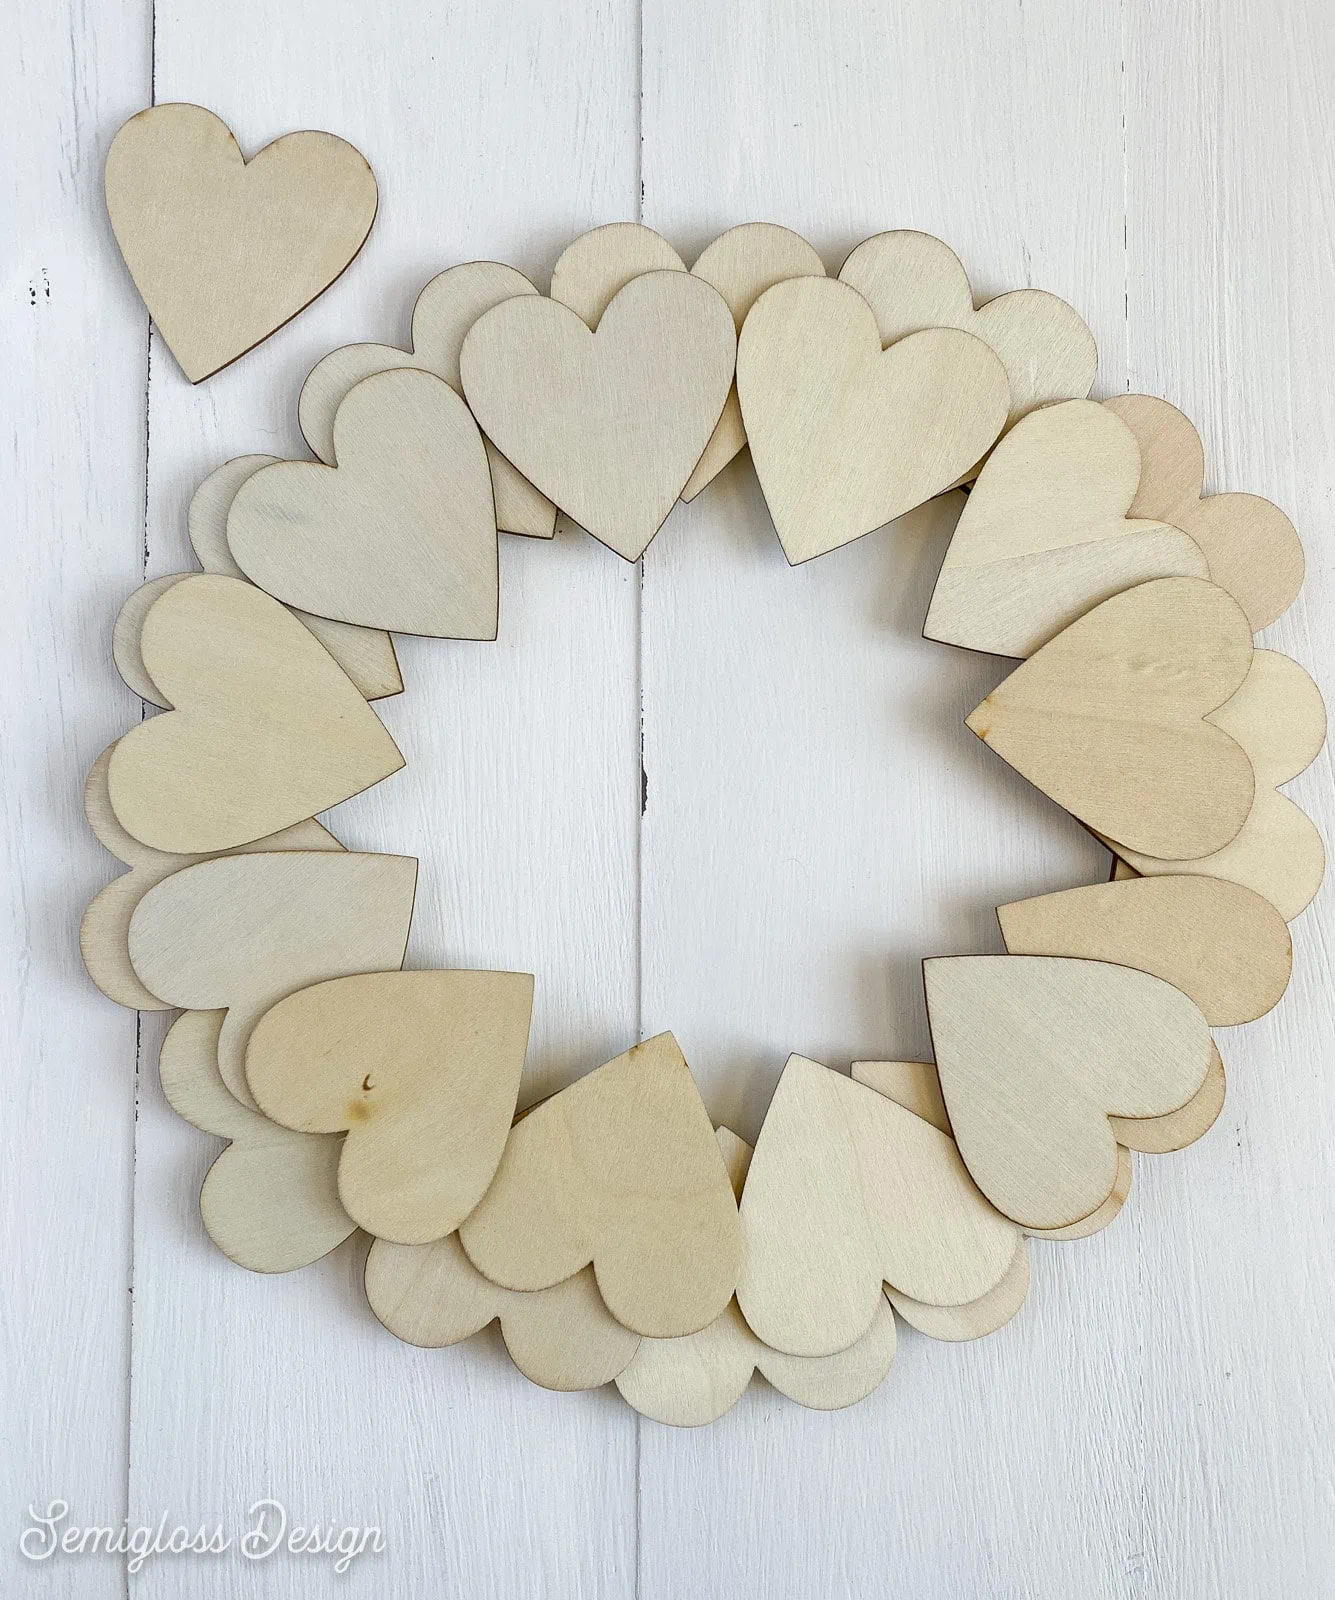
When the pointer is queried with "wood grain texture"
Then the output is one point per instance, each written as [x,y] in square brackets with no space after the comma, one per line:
[270,1201]
[644,1196]
[400,534]
[1221,944]
[225,250]
[444,312]
[420,1070]
[1037,1053]
[607,422]
[241,932]
[848,1192]
[1175,1130]
[365,654]
[104,931]
[1109,718]
[1046,537]
[1252,548]
[913,281]
[1279,719]
[977,1318]
[846,437]
[267,729]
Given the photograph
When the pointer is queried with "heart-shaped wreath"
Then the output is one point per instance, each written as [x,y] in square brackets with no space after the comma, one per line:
[611,1230]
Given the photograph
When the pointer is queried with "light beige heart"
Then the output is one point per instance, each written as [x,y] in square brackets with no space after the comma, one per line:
[846,437]
[1221,944]
[1108,718]
[446,309]
[621,1170]
[420,1069]
[267,730]
[1045,534]
[104,932]
[741,264]
[270,1201]
[914,281]
[400,535]
[608,424]
[224,250]
[916,1086]
[1252,548]
[848,1192]
[241,932]
[695,1379]
[365,654]
[1036,1053]
[1279,719]
[561,1338]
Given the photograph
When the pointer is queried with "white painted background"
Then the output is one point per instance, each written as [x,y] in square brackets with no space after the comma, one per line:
[1159,1420]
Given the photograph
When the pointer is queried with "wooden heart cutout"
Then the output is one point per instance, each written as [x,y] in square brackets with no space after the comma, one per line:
[741,264]
[1045,534]
[270,1201]
[913,281]
[987,1314]
[104,932]
[1221,944]
[267,730]
[695,1379]
[561,1338]
[446,309]
[1279,719]
[1158,1136]
[241,932]
[365,654]
[848,1191]
[1036,1053]
[1252,548]
[224,251]
[1108,718]
[608,424]
[592,272]
[401,534]
[846,437]
[421,1069]
[916,1086]
[620,1170]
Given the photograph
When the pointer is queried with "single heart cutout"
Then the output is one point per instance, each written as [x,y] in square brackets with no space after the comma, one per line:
[848,1191]
[561,1338]
[913,281]
[846,437]
[1045,536]
[916,1086]
[1252,548]
[421,1069]
[241,932]
[1279,719]
[104,932]
[267,730]
[222,250]
[620,1170]
[1221,944]
[365,654]
[592,271]
[741,264]
[270,1201]
[608,424]
[446,309]
[695,1379]
[1108,718]
[1036,1053]
[401,534]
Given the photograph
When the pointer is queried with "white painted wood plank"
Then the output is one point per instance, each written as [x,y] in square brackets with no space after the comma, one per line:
[71,485]
[819,820]
[497,132]
[1231,189]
